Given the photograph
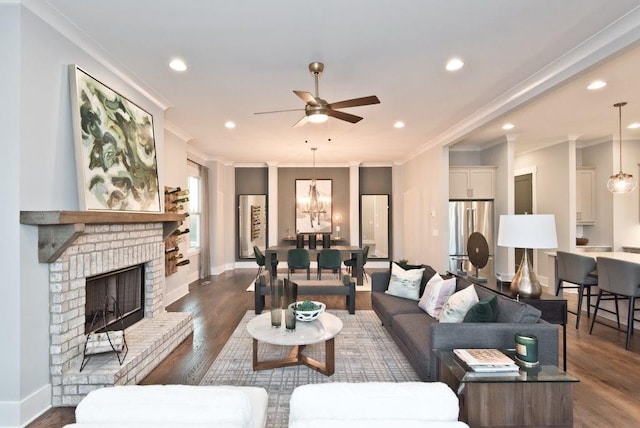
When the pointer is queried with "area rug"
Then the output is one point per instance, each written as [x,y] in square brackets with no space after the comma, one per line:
[366,282]
[364,353]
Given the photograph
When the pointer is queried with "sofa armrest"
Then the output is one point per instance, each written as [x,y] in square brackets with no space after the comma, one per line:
[493,335]
[380,281]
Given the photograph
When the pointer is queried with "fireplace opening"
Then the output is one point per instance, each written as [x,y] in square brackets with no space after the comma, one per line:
[126,288]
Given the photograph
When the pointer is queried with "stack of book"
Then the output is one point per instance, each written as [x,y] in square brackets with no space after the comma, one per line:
[487,360]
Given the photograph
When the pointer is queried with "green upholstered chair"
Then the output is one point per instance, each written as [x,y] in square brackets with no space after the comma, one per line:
[351,263]
[260,260]
[329,259]
[298,258]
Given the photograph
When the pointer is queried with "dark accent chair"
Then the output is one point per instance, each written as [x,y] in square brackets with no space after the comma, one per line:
[298,258]
[351,263]
[329,259]
[618,279]
[259,260]
[581,272]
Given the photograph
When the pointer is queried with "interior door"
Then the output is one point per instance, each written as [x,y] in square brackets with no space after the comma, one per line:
[523,205]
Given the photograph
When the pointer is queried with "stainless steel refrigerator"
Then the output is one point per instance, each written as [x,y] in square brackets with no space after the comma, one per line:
[466,217]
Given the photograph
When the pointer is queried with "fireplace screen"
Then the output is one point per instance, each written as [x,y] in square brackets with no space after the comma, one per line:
[126,286]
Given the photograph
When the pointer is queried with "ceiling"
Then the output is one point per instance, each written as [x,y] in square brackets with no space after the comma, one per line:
[248,56]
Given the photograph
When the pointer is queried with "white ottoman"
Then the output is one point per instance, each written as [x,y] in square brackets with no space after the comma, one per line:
[374,405]
[173,406]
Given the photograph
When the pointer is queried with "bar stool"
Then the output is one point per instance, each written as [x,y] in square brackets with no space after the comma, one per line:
[619,279]
[580,271]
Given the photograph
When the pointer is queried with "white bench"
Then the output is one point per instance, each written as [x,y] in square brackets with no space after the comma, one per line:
[164,406]
[374,405]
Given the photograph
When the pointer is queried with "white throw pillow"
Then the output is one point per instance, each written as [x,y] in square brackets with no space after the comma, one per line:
[459,304]
[436,294]
[405,283]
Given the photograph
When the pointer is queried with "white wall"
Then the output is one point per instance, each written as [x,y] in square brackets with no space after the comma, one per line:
[600,156]
[177,284]
[425,193]
[36,88]
[222,219]
[9,176]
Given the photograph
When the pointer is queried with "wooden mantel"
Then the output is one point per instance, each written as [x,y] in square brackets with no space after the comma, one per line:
[58,229]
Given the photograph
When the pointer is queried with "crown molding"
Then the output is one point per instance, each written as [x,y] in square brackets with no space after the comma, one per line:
[616,36]
[68,29]
[177,131]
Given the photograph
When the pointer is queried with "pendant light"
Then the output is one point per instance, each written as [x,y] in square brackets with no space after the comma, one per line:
[621,182]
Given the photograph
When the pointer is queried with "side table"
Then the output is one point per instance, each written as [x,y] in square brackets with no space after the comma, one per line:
[541,396]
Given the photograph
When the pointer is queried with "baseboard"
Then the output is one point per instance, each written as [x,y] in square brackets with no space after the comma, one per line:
[22,413]
[176,294]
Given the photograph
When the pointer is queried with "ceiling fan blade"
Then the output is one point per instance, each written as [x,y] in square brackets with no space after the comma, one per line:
[344,116]
[306,97]
[301,122]
[355,102]
[279,111]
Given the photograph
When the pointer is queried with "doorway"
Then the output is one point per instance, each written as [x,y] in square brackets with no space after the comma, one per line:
[523,201]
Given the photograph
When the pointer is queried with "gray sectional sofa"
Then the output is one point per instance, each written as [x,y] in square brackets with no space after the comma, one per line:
[418,334]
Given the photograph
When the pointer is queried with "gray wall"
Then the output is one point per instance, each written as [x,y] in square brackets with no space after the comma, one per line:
[286,195]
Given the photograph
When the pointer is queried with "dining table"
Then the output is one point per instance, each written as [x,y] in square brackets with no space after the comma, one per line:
[346,251]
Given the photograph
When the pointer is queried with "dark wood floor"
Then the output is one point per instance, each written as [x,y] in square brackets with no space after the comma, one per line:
[608,394]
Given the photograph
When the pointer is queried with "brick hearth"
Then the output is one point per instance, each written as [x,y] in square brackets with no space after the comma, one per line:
[99,249]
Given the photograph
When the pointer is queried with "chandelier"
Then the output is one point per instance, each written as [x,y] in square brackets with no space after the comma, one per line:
[621,182]
[315,203]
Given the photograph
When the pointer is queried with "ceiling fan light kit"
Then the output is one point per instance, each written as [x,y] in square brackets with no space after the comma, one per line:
[621,182]
[317,110]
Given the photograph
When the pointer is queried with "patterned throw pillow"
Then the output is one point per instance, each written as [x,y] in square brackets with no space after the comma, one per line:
[405,283]
[436,294]
[459,304]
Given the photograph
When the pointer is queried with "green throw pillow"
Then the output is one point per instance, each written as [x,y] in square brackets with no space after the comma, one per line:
[486,310]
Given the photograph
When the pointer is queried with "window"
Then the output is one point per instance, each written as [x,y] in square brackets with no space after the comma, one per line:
[195,206]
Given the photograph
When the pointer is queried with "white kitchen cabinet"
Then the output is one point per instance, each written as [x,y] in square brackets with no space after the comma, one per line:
[586,196]
[472,182]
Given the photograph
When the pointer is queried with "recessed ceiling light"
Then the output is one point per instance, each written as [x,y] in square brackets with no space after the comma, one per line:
[596,84]
[178,65]
[398,124]
[508,126]
[634,125]
[454,64]
[229,124]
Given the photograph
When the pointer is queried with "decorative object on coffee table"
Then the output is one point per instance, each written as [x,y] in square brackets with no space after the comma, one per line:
[308,310]
[535,231]
[276,301]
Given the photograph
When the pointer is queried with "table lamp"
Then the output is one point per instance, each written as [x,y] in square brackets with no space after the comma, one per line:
[535,231]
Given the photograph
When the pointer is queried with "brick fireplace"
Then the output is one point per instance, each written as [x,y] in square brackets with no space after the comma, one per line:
[76,251]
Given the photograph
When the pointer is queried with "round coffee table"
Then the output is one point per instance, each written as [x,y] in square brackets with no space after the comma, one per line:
[324,329]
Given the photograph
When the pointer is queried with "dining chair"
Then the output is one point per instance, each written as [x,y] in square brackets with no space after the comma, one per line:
[298,258]
[351,263]
[259,260]
[580,271]
[618,279]
[329,259]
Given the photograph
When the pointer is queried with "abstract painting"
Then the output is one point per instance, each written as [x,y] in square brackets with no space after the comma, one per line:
[115,148]
[313,206]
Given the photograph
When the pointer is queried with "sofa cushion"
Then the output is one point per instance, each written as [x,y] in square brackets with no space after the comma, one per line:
[511,311]
[486,310]
[405,283]
[414,333]
[458,305]
[386,306]
[436,294]
[426,275]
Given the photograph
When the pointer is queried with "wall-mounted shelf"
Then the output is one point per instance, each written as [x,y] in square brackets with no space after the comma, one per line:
[174,198]
[58,229]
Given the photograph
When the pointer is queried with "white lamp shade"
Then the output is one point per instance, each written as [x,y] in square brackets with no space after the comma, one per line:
[528,231]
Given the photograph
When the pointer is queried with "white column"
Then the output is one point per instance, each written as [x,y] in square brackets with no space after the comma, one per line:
[354,202]
[397,211]
[273,204]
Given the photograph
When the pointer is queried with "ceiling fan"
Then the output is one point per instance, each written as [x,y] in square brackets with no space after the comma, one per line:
[318,110]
